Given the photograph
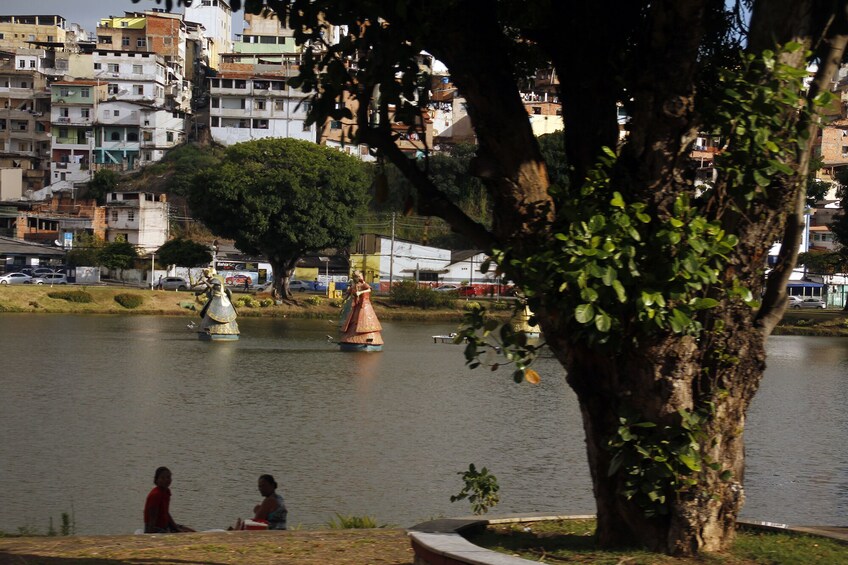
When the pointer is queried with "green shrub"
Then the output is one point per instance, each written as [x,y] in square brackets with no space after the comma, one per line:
[128,300]
[72,296]
[471,305]
[247,301]
[265,302]
[409,293]
[314,300]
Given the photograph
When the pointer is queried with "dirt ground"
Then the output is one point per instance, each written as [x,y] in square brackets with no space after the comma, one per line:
[302,547]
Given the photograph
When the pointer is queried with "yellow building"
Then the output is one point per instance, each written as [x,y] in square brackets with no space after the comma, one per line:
[16,32]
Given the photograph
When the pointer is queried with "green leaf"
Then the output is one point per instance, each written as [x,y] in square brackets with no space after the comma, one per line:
[584,313]
[761,179]
[603,322]
[617,200]
[619,290]
[690,461]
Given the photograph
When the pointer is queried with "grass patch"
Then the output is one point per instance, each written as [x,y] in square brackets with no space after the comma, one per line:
[128,300]
[343,522]
[573,541]
[79,296]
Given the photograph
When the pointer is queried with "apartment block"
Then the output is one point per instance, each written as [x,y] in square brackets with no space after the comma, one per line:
[21,31]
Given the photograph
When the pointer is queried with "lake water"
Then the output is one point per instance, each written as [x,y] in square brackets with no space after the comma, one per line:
[91,405]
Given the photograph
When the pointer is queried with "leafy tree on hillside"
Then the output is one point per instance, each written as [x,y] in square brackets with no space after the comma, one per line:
[118,255]
[184,252]
[649,292]
[103,182]
[282,198]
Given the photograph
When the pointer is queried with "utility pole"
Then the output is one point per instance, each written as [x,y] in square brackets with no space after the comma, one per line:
[392,255]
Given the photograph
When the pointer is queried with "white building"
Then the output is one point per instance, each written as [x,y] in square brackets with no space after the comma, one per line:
[139,218]
[135,76]
[132,134]
[244,107]
[216,17]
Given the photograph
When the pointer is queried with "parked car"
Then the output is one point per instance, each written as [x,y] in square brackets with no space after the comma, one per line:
[14,278]
[49,278]
[174,283]
[41,271]
[448,288]
[808,303]
[300,286]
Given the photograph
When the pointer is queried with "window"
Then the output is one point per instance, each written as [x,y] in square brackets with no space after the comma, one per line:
[32,64]
[112,88]
[64,92]
[166,40]
[227,83]
[85,112]
[63,133]
[138,89]
[260,104]
[215,121]
[138,69]
[335,124]
[132,136]
[215,103]
[104,39]
[148,136]
[260,124]
[115,136]
[113,67]
[279,105]
[22,64]
[63,112]
[114,215]
[845,149]
[97,66]
[130,215]
[537,110]
[142,42]
[124,24]
[85,93]
[125,41]
[170,136]
[241,84]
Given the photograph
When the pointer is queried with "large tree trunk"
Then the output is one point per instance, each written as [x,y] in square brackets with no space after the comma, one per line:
[657,380]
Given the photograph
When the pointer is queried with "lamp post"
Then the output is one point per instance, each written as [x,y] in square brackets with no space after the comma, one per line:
[152,269]
[326,261]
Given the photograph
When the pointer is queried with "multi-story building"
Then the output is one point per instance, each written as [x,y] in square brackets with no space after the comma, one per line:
[132,76]
[20,31]
[247,106]
[24,118]
[131,134]
[216,17]
[265,34]
[125,33]
[72,115]
[49,221]
[140,218]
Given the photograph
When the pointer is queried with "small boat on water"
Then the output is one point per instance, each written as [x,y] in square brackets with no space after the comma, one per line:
[449,338]
[365,347]
[522,324]
[207,336]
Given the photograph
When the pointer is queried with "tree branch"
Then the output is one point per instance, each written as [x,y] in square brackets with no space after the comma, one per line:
[774,298]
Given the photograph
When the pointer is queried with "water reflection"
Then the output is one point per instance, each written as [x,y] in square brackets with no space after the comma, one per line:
[90,411]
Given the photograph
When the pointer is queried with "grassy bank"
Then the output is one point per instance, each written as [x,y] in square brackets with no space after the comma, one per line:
[109,300]
[354,547]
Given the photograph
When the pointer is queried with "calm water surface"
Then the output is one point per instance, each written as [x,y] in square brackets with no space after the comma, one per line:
[90,406]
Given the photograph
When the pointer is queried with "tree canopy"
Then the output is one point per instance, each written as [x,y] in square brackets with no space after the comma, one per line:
[184,252]
[282,198]
[650,291]
[119,254]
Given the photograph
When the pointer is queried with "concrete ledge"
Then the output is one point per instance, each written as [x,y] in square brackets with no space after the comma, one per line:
[438,542]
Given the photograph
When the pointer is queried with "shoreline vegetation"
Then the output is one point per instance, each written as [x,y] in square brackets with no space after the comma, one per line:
[122,300]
